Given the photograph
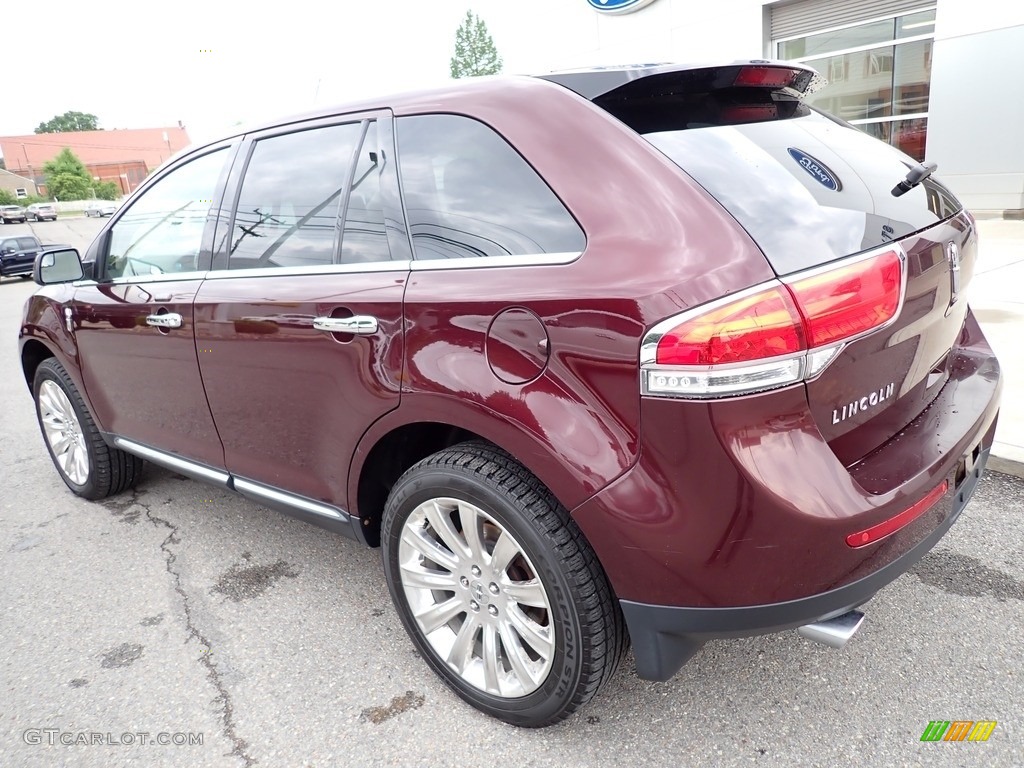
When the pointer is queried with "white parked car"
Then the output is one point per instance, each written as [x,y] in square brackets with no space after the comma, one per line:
[100,208]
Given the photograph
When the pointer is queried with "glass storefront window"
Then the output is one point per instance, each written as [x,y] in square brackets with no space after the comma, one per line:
[912,75]
[870,84]
[839,40]
[915,24]
[859,84]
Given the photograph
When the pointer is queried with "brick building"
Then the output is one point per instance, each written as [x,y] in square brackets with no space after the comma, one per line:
[124,157]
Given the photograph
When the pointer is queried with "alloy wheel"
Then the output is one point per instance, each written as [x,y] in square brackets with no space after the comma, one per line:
[476,597]
[63,432]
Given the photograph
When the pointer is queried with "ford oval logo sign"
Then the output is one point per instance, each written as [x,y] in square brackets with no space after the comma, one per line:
[618,6]
[817,169]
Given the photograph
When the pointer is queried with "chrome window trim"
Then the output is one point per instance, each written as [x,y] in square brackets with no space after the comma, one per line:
[172,462]
[319,269]
[290,500]
[474,262]
[164,277]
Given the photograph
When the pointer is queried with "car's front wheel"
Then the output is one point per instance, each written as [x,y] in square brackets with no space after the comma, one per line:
[497,587]
[86,464]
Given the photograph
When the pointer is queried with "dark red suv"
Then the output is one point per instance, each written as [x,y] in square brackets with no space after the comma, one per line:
[656,353]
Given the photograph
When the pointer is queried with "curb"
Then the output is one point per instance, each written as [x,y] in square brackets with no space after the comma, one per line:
[1005,466]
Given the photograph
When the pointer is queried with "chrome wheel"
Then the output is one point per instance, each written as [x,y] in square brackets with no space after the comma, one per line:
[63,432]
[476,597]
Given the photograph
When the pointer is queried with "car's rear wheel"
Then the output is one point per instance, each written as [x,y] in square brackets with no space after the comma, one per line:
[86,464]
[498,588]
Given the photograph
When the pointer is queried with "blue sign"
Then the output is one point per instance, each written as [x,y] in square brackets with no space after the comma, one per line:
[817,169]
[618,6]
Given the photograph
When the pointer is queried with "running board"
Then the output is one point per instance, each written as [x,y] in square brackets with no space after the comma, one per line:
[308,510]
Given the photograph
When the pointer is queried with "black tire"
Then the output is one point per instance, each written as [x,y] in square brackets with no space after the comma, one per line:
[25,277]
[109,470]
[579,616]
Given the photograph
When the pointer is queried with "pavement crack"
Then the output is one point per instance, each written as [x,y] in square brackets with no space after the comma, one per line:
[223,698]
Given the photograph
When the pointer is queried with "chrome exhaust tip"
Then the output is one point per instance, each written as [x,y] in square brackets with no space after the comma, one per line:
[834,633]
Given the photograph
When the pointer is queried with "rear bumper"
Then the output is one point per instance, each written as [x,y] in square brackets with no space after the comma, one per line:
[734,520]
[665,637]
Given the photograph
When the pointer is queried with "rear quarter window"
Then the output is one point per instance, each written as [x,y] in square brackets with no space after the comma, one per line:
[468,193]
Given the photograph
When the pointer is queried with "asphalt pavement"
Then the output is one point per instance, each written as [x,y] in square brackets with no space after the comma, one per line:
[186,614]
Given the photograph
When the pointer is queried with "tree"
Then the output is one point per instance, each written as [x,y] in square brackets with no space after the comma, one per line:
[475,53]
[66,177]
[106,190]
[69,121]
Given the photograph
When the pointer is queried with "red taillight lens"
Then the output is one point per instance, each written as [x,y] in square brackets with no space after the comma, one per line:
[893,524]
[754,342]
[850,300]
[766,77]
[764,324]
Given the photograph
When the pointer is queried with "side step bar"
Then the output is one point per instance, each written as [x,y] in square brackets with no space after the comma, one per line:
[834,633]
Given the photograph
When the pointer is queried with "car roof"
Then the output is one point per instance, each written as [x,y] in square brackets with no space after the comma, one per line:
[588,82]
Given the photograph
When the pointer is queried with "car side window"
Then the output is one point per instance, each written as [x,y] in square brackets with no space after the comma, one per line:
[468,193]
[162,231]
[291,197]
[364,238]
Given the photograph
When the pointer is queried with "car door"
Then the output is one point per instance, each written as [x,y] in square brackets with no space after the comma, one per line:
[134,324]
[299,326]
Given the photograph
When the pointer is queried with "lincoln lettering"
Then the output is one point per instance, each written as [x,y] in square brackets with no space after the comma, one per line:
[866,402]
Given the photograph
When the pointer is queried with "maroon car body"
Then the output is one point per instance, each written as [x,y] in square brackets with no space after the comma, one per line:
[710,516]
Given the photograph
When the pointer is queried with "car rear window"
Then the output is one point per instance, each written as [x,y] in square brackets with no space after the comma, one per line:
[806,186]
[808,189]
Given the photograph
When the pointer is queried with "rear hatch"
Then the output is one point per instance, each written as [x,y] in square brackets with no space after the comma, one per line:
[811,190]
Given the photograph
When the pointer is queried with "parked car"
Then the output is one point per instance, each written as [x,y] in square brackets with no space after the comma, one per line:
[42,212]
[18,254]
[12,213]
[656,354]
[101,208]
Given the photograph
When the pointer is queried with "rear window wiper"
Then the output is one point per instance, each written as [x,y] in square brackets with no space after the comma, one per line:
[915,176]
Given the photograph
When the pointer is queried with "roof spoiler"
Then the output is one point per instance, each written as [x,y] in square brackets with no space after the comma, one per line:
[644,80]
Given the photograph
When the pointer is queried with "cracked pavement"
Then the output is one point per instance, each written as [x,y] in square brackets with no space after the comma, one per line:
[185,609]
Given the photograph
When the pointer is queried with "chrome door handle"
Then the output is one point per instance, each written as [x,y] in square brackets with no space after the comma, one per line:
[360,325]
[166,320]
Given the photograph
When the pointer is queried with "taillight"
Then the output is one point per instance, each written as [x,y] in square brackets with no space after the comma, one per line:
[850,300]
[776,334]
[766,77]
[763,324]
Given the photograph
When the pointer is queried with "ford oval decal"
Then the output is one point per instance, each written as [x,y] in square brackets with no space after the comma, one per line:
[817,169]
[618,6]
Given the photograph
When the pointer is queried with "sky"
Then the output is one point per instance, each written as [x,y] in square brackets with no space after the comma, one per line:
[219,63]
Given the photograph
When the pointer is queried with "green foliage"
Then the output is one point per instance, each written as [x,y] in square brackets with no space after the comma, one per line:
[69,121]
[106,190]
[67,177]
[9,198]
[475,53]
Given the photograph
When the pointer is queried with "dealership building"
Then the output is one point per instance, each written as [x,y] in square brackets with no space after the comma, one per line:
[941,79]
